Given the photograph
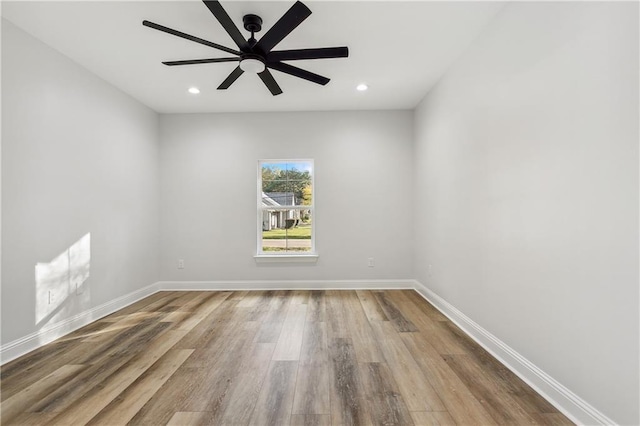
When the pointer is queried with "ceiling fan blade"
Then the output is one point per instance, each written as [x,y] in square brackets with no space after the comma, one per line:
[270,82]
[297,54]
[188,37]
[200,61]
[223,17]
[231,78]
[298,72]
[287,23]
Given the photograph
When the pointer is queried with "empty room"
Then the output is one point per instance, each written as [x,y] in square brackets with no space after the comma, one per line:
[320,213]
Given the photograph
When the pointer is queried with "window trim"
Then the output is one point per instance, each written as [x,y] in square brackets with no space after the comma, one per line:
[307,256]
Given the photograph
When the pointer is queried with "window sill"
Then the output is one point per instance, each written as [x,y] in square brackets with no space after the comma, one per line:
[286,258]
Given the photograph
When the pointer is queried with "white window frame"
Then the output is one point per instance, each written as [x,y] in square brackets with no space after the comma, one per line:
[307,256]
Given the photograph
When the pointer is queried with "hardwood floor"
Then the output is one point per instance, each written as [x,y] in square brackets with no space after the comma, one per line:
[269,358]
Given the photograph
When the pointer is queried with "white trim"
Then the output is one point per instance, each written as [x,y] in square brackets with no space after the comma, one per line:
[286,258]
[570,404]
[287,285]
[30,342]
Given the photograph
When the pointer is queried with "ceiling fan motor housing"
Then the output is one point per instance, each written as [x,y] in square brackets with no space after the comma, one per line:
[252,23]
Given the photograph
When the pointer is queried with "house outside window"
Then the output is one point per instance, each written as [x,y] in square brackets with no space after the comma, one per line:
[285,207]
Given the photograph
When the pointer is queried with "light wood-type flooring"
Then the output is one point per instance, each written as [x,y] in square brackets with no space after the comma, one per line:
[269,358]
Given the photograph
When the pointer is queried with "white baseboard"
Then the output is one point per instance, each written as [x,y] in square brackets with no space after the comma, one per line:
[286,285]
[26,344]
[570,404]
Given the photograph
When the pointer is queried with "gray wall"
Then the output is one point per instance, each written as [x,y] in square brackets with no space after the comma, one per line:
[362,192]
[79,157]
[527,189]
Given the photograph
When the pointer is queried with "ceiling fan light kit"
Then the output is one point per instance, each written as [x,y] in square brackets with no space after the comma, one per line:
[253,65]
[257,56]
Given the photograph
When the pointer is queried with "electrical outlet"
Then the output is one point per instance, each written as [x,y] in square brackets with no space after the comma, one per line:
[180,263]
[370,262]
[50,297]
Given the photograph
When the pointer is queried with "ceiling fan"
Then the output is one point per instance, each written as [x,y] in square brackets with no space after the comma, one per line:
[257,56]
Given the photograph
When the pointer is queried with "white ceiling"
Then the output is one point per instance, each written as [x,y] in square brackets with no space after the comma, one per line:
[400,49]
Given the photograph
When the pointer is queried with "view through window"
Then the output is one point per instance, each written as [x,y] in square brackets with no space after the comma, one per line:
[285,207]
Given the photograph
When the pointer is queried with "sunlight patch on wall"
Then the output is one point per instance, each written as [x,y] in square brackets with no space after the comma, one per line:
[61,288]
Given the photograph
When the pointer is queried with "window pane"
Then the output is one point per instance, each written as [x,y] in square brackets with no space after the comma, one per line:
[286,183]
[285,197]
[286,230]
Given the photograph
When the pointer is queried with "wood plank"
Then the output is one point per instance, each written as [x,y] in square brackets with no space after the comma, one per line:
[92,377]
[207,310]
[177,317]
[221,365]
[186,299]
[348,402]
[335,316]
[124,341]
[418,394]
[250,299]
[246,389]
[310,420]
[364,341]
[202,299]
[300,297]
[124,407]
[172,397]
[276,397]
[278,307]
[238,295]
[312,394]
[165,304]
[383,396]
[204,387]
[440,337]
[491,394]
[26,370]
[371,306]
[434,418]
[315,347]
[24,373]
[400,323]
[290,340]
[427,308]
[96,399]
[208,328]
[116,327]
[317,309]
[189,418]
[21,401]
[139,306]
[269,332]
[459,401]
[261,307]
[31,419]
[526,397]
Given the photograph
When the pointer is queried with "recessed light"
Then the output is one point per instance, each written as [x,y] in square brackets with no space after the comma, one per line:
[361,87]
[194,90]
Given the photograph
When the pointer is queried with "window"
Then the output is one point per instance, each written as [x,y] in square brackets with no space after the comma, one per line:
[285,207]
